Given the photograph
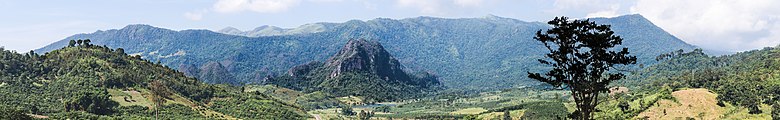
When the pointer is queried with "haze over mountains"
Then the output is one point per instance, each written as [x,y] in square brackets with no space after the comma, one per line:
[470,53]
[266,30]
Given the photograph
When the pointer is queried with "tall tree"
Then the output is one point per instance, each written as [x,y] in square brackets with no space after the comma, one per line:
[86,42]
[159,93]
[347,110]
[71,43]
[775,111]
[79,42]
[581,59]
[506,115]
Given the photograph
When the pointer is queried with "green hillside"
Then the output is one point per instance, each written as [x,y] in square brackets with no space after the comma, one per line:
[86,81]
[466,53]
[746,83]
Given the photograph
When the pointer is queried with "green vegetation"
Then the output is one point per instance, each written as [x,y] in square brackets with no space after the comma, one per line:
[10,112]
[581,57]
[86,81]
[544,111]
[746,84]
[748,79]
[347,110]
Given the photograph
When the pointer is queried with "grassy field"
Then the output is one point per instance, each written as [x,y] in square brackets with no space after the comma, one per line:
[129,98]
[448,106]
[469,111]
[351,100]
[284,94]
[692,103]
[549,104]
[141,97]
[514,114]
[698,104]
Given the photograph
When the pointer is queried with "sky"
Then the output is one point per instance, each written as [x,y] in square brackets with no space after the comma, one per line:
[724,25]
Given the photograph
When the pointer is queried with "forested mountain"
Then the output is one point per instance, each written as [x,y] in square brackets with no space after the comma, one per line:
[360,68]
[86,81]
[466,53]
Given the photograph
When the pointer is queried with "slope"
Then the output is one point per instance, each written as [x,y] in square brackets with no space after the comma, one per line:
[86,81]
[747,80]
[697,104]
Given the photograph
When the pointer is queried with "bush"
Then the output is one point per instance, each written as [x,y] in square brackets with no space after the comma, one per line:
[13,114]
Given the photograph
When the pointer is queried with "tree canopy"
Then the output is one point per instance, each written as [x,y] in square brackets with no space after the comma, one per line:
[581,57]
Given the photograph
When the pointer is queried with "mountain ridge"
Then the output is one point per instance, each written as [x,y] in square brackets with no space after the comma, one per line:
[475,53]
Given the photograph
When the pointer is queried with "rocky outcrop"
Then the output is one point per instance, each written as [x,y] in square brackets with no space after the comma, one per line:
[366,56]
[361,68]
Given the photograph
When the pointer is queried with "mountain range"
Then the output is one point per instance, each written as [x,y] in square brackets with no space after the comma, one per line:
[466,53]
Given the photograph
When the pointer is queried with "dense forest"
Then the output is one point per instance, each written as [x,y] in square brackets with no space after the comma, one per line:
[86,81]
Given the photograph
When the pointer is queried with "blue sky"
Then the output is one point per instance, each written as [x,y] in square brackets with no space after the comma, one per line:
[733,25]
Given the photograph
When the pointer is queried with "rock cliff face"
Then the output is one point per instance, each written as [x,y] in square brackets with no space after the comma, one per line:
[366,56]
[361,68]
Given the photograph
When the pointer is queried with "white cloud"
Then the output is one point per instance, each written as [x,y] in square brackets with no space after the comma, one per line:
[196,16]
[369,5]
[439,7]
[260,6]
[590,8]
[724,25]
[326,1]
[613,12]
[425,6]
[467,3]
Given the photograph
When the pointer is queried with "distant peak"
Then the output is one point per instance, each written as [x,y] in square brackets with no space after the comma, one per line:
[229,30]
[269,27]
[632,16]
[626,16]
[491,16]
[137,26]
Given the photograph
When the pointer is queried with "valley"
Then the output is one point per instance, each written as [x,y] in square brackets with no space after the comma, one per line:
[413,68]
